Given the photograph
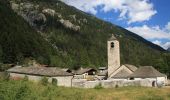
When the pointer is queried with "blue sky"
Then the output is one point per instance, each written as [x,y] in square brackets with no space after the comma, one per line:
[147,18]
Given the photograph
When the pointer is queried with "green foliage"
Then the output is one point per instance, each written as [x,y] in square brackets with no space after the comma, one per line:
[86,47]
[54,81]
[99,86]
[25,78]
[22,92]
[44,81]
[25,90]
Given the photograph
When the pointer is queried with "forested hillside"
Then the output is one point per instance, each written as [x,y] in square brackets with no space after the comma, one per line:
[17,39]
[63,36]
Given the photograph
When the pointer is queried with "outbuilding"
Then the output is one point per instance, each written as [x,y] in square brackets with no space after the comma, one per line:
[150,73]
[37,73]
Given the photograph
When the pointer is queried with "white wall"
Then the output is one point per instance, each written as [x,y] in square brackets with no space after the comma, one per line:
[157,80]
[64,80]
[61,80]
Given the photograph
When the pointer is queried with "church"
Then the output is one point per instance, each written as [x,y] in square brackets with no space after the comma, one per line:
[113,75]
[116,71]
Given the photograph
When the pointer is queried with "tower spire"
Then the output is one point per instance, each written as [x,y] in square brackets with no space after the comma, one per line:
[112,38]
[113,55]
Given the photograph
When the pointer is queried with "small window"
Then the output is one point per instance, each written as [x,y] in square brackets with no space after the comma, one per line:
[132,78]
[112,45]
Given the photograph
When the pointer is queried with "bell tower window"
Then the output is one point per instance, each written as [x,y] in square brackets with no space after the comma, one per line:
[112,45]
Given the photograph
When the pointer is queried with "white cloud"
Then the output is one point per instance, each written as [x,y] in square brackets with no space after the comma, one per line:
[150,32]
[132,10]
[164,45]
[153,33]
[157,42]
[168,26]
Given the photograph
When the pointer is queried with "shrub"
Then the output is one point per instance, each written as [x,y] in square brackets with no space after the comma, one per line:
[25,78]
[99,86]
[116,86]
[44,81]
[54,81]
[6,76]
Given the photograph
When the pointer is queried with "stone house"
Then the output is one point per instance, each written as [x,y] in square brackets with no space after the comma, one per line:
[85,73]
[37,73]
[150,73]
[102,73]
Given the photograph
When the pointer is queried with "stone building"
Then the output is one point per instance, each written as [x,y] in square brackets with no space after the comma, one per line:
[115,70]
[36,74]
[85,73]
[150,73]
[113,53]
[128,72]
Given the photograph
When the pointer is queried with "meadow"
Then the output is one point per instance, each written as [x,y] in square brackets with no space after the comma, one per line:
[24,90]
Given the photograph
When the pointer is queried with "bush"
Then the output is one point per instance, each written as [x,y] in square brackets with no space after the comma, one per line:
[99,86]
[54,81]
[25,78]
[6,76]
[44,81]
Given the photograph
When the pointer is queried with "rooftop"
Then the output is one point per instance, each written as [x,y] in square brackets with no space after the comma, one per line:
[40,71]
[84,70]
[131,67]
[122,74]
[146,72]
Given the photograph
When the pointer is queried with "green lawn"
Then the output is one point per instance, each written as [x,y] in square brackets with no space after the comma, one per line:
[23,90]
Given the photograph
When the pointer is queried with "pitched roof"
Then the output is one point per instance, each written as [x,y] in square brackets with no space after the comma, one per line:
[121,74]
[39,71]
[146,72]
[131,67]
[83,70]
[112,38]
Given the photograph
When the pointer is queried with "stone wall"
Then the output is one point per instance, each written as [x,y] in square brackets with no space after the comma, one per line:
[61,80]
[111,83]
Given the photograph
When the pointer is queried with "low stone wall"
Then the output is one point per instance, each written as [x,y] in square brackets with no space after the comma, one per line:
[61,80]
[111,83]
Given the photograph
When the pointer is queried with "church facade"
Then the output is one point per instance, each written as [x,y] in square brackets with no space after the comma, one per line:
[116,71]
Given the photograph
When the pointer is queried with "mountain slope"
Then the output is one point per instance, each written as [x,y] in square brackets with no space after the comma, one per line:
[77,38]
[17,39]
[168,49]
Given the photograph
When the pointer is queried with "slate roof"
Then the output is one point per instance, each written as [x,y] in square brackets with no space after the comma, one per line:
[83,70]
[121,74]
[146,72]
[131,67]
[40,71]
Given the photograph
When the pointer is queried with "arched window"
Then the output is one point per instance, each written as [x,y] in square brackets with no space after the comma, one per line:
[112,45]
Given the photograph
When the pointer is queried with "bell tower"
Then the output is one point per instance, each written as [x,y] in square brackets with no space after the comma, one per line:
[113,55]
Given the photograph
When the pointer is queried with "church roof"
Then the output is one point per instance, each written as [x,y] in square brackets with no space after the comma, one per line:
[131,67]
[112,38]
[39,71]
[146,72]
[121,74]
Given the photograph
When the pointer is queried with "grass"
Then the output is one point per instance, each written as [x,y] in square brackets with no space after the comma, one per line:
[24,90]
